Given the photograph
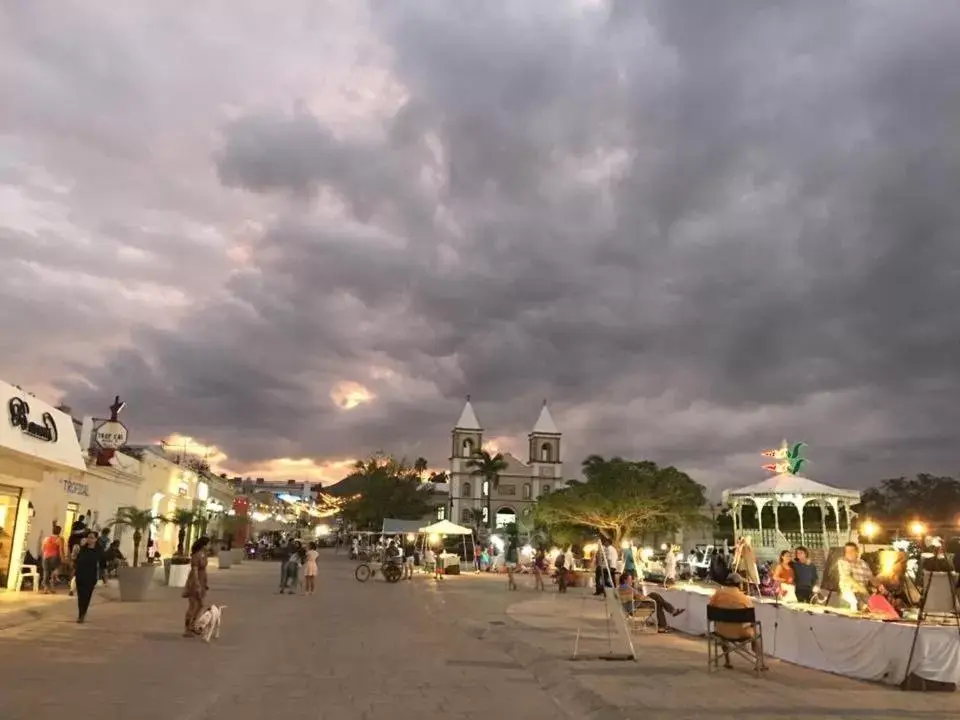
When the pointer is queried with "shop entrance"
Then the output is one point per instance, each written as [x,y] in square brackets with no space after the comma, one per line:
[9,504]
[69,517]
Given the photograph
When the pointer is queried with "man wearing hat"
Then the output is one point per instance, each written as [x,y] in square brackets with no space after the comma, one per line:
[730,597]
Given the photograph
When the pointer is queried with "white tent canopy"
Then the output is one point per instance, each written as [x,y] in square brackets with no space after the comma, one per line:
[445,527]
[787,489]
[401,527]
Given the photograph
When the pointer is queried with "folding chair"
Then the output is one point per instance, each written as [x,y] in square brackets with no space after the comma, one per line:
[642,614]
[718,645]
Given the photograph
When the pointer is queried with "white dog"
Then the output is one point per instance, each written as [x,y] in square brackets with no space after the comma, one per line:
[208,624]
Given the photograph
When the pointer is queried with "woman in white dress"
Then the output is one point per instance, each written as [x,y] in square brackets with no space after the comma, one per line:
[310,569]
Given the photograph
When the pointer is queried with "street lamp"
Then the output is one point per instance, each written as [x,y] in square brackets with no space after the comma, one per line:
[918,529]
[869,529]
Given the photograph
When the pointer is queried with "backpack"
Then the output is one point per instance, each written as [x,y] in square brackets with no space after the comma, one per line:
[560,561]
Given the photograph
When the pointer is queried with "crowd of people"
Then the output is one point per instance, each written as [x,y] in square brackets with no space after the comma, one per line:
[81,560]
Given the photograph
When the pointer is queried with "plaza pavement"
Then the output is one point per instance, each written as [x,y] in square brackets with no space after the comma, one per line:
[353,651]
[464,648]
[670,678]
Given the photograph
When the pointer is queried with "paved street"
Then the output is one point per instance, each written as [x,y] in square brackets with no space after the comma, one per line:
[352,651]
[463,648]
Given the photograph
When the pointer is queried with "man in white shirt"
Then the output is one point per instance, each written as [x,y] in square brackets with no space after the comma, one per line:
[612,559]
[670,567]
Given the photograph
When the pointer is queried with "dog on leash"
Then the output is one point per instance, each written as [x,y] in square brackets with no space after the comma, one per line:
[208,624]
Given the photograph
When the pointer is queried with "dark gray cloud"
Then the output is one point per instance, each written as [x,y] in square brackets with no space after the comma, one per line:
[694,228]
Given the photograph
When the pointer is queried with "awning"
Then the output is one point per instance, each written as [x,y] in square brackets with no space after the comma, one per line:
[445,527]
[401,527]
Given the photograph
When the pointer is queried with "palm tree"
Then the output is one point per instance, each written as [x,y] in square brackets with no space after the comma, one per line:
[489,467]
[140,521]
[475,517]
[184,520]
[420,467]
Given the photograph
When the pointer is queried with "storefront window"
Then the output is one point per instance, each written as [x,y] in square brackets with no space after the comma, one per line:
[9,502]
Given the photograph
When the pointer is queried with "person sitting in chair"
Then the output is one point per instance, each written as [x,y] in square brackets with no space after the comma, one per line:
[731,597]
[630,596]
[855,578]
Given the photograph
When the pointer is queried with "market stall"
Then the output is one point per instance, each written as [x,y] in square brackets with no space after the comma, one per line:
[435,533]
[835,640]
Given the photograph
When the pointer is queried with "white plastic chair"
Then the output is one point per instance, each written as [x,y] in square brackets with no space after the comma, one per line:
[29,571]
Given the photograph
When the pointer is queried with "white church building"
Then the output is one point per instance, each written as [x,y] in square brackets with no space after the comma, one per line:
[520,484]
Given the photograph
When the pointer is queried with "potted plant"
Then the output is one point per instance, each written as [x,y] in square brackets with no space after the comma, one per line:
[180,562]
[135,579]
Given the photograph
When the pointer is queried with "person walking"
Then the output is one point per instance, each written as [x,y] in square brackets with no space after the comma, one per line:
[539,569]
[86,572]
[289,567]
[560,564]
[196,588]
[310,569]
[52,552]
[511,562]
[103,543]
[409,559]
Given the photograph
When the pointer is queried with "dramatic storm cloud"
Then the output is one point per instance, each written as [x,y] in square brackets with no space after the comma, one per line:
[695,227]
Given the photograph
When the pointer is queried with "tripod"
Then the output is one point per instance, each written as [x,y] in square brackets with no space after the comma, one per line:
[616,620]
[922,613]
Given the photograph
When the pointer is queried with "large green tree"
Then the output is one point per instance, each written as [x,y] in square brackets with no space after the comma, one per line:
[896,501]
[625,497]
[488,467]
[385,488]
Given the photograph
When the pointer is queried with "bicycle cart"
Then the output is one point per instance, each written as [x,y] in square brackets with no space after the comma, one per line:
[391,570]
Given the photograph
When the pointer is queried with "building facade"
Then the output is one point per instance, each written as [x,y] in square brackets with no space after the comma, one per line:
[167,486]
[38,446]
[520,485]
[95,496]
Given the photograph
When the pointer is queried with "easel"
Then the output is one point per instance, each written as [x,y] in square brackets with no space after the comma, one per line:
[614,615]
[735,567]
[922,612]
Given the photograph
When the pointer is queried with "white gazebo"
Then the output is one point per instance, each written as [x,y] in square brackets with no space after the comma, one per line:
[796,491]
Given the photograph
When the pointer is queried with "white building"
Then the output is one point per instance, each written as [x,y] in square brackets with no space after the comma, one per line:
[520,484]
[38,449]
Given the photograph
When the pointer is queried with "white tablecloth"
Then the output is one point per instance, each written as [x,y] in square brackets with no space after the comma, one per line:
[854,647]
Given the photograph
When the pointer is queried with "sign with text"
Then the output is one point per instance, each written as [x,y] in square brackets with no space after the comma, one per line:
[45,430]
[36,429]
[110,434]
[72,487]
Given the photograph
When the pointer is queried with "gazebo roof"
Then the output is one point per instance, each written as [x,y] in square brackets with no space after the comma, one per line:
[787,484]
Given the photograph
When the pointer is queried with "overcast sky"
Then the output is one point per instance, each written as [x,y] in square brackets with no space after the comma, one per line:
[303,235]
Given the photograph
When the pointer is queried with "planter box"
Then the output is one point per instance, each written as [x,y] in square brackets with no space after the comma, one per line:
[178,575]
[135,582]
[166,571]
[237,554]
[224,559]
